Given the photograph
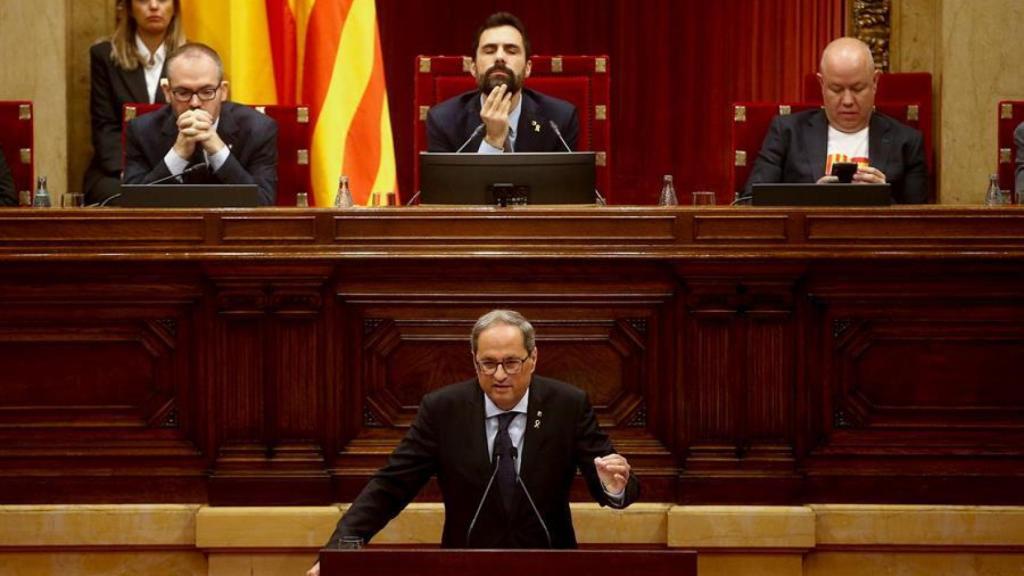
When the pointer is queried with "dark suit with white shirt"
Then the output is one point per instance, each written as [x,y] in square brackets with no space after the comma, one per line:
[448,440]
[796,147]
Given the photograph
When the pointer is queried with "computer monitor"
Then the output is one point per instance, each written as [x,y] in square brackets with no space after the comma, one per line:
[507,179]
[804,194]
[189,196]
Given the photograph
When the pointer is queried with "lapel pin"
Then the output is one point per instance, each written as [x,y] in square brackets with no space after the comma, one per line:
[536,423]
[539,413]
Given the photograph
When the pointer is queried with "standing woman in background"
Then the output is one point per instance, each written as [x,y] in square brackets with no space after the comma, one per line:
[126,68]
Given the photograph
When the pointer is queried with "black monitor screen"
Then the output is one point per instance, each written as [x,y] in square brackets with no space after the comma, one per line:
[507,179]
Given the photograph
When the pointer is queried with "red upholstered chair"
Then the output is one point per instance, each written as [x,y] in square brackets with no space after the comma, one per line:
[1011,114]
[750,122]
[16,135]
[582,80]
[293,137]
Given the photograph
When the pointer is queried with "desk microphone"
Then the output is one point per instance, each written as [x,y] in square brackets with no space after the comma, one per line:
[599,199]
[476,132]
[187,170]
[547,534]
[487,490]
[413,199]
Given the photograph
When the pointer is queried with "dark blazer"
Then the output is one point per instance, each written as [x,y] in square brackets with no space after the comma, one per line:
[452,121]
[796,145]
[8,195]
[251,136]
[111,87]
[447,439]
[1018,138]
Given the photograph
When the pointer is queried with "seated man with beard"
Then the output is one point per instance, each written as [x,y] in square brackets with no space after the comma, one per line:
[502,115]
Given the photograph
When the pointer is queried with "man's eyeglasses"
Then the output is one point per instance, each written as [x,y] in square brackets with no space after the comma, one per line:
[206,93]
[511,365]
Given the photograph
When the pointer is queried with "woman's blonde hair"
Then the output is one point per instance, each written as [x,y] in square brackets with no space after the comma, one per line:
[122,41]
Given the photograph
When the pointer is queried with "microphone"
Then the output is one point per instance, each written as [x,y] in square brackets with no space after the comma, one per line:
[413,199]
[487,490]
[476,132]
[547,534]
[188,170]
[599,199]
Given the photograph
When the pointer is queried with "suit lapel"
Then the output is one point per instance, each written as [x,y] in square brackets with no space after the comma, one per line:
[535,435]
[477,438]
[817,145]
[469,122]
[136,82]
[532,125]
[227,127]
[879,142]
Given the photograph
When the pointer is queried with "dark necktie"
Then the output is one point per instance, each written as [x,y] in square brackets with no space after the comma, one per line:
[506,465]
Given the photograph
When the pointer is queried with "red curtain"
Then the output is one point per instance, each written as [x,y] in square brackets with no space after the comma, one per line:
[677,66]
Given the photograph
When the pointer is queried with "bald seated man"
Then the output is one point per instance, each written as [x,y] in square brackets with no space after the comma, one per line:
[802,147]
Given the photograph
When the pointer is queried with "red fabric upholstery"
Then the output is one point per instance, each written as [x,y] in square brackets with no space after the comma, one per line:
[293,137]
[1011,114]
[582,80]
[16,126]
[751,121]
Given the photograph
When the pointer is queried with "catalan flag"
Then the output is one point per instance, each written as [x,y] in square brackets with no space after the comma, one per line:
[324,54]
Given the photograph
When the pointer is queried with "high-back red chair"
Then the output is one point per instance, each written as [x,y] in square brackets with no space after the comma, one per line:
[16,135]
[582,80]
[750,122]
[1011,114]
[293,137]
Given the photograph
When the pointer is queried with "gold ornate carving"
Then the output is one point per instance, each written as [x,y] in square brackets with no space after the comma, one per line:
[600,65]
[600,112]
[739,114]
[871,21]
[741,158]
[424,65]
[24,112]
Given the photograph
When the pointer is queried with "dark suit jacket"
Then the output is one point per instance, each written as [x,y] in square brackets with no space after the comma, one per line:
[1018,138]
[251,136]
[796,145]
[447,439]
[111,87]
[452,121]
[8,195]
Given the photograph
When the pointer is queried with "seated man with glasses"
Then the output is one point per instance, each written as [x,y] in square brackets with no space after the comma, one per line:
[199,134]
[505,447]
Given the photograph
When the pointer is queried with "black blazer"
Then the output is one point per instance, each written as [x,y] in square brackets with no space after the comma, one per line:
[447,439]
[452,121]
[796,145]
[110,88]
[8,195]
[251,136]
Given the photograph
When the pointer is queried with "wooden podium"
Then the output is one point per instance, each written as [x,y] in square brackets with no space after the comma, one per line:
[435,562]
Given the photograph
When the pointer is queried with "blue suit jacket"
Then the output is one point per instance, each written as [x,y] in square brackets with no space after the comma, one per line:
[451,122]
[251,136]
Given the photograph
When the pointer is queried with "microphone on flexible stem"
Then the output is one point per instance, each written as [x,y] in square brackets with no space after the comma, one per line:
[487,490]
[476,132]
[547,534]
[187,170]
[413,199]
[599,199]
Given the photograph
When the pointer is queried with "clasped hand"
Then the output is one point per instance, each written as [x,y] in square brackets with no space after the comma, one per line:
[195,127]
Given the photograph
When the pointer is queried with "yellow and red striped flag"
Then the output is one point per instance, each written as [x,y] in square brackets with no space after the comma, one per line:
[325,54]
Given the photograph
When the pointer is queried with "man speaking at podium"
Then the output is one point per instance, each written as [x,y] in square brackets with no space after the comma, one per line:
[505,447]
[501,115]
[199,134]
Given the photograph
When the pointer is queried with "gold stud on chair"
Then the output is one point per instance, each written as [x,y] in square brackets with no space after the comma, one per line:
[1004,155]
[785,109]
[130,112]
[302,115]
[302,157]
[1005,111]
[24,112]
[601,112]
[600,65]
[739,114]
[601,159]
[26,155]
[424,65]
[423,113]
[556,64]
[913,113]
[741,158]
